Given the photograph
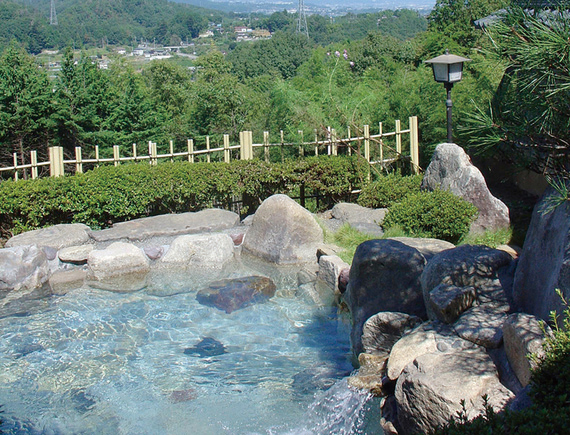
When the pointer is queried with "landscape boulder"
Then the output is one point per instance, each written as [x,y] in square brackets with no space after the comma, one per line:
[119,267]
[483,325]
[451,169]
[382,330]
[544,264]
[22,268]
[203,221]
[363,219]
[466,266]
[448,302]
[283,232]
[56,237]
[431,389]
[233,294]
[75,254]
[429,337]
[428,247]
[199,250]
[384,276]
[330,268]
[523,336]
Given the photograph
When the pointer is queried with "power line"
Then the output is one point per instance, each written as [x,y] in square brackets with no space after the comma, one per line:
[302,21]
[52,14]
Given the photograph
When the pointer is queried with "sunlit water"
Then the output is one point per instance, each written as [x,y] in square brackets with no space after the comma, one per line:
[100,362]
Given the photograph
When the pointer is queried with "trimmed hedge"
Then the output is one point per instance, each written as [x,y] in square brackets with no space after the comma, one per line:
[438,214]
[111,194]
[388,190]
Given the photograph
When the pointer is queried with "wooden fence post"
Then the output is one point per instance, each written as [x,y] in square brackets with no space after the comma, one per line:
[266,145]
[227,154]
[34,161]
[349,143]
[78,161]
[316,142]
[15,156]
[135,152]
[242,155]
[398,138]
[334,142]
[208,149]
[171,151]
[56,161]
[414,144]
[116,156]
[367,147]
[282,146]
[329,141]
[250,145]
[301,142]
[97,154]
[381,144]
[191,150]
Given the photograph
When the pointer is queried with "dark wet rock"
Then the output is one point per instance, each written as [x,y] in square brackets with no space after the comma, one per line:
[233,294]
[205,348]
[384,276]
[448,302]
[466,266]
[343,278]
[28,349]
[482,325]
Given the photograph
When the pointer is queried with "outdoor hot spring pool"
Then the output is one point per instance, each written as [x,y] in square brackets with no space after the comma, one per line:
[156,361]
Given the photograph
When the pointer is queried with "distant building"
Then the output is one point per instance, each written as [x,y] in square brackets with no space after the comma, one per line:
[206,34]
[261,34]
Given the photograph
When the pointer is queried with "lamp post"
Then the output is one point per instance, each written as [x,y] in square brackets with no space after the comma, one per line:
[448,69]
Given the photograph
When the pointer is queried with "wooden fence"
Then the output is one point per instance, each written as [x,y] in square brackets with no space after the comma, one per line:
[382,149]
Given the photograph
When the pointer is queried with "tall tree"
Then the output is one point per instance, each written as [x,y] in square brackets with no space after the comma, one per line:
[25,102]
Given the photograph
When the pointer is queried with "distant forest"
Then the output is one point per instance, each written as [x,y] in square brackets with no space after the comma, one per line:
[89,23]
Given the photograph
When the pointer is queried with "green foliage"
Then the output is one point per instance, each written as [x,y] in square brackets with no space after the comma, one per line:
[491,238]
[438,214]
[114,194]
[349,238]
[529,116]
[388,190]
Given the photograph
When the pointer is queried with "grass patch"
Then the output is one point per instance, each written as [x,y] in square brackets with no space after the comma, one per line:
[489,238]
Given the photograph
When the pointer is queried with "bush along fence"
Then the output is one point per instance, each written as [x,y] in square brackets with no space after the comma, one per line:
[382,149]
[109,194]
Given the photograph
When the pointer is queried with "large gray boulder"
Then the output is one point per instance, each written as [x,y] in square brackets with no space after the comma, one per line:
[384,276]
[23,268]
[119,267]
[169,225]
[199,250]
[451,169]
[330,267]
[283,232]
[431,389]
[523,336]
[55,237]
[544,264]
[428,247]
[467,266]
[366,220]
[430,337]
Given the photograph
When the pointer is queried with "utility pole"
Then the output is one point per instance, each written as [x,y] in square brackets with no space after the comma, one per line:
[52,14]
[302,21]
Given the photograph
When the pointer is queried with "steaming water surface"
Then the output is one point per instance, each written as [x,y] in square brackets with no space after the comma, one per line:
[99,362]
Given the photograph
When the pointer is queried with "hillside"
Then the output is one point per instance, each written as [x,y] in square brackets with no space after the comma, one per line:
[97,22]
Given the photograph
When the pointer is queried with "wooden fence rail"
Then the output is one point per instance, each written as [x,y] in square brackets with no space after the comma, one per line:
[374,148]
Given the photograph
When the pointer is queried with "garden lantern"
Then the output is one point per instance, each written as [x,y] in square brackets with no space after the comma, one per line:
[448,69]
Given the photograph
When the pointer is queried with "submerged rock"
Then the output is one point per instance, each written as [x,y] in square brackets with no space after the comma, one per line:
[233,294]
[205,348]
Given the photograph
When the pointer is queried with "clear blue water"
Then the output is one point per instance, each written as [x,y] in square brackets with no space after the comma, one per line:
[99,362]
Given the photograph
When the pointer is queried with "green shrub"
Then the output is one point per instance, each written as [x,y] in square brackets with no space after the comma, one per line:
[388,190]
[438,214]
[111,194]
[491,238]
